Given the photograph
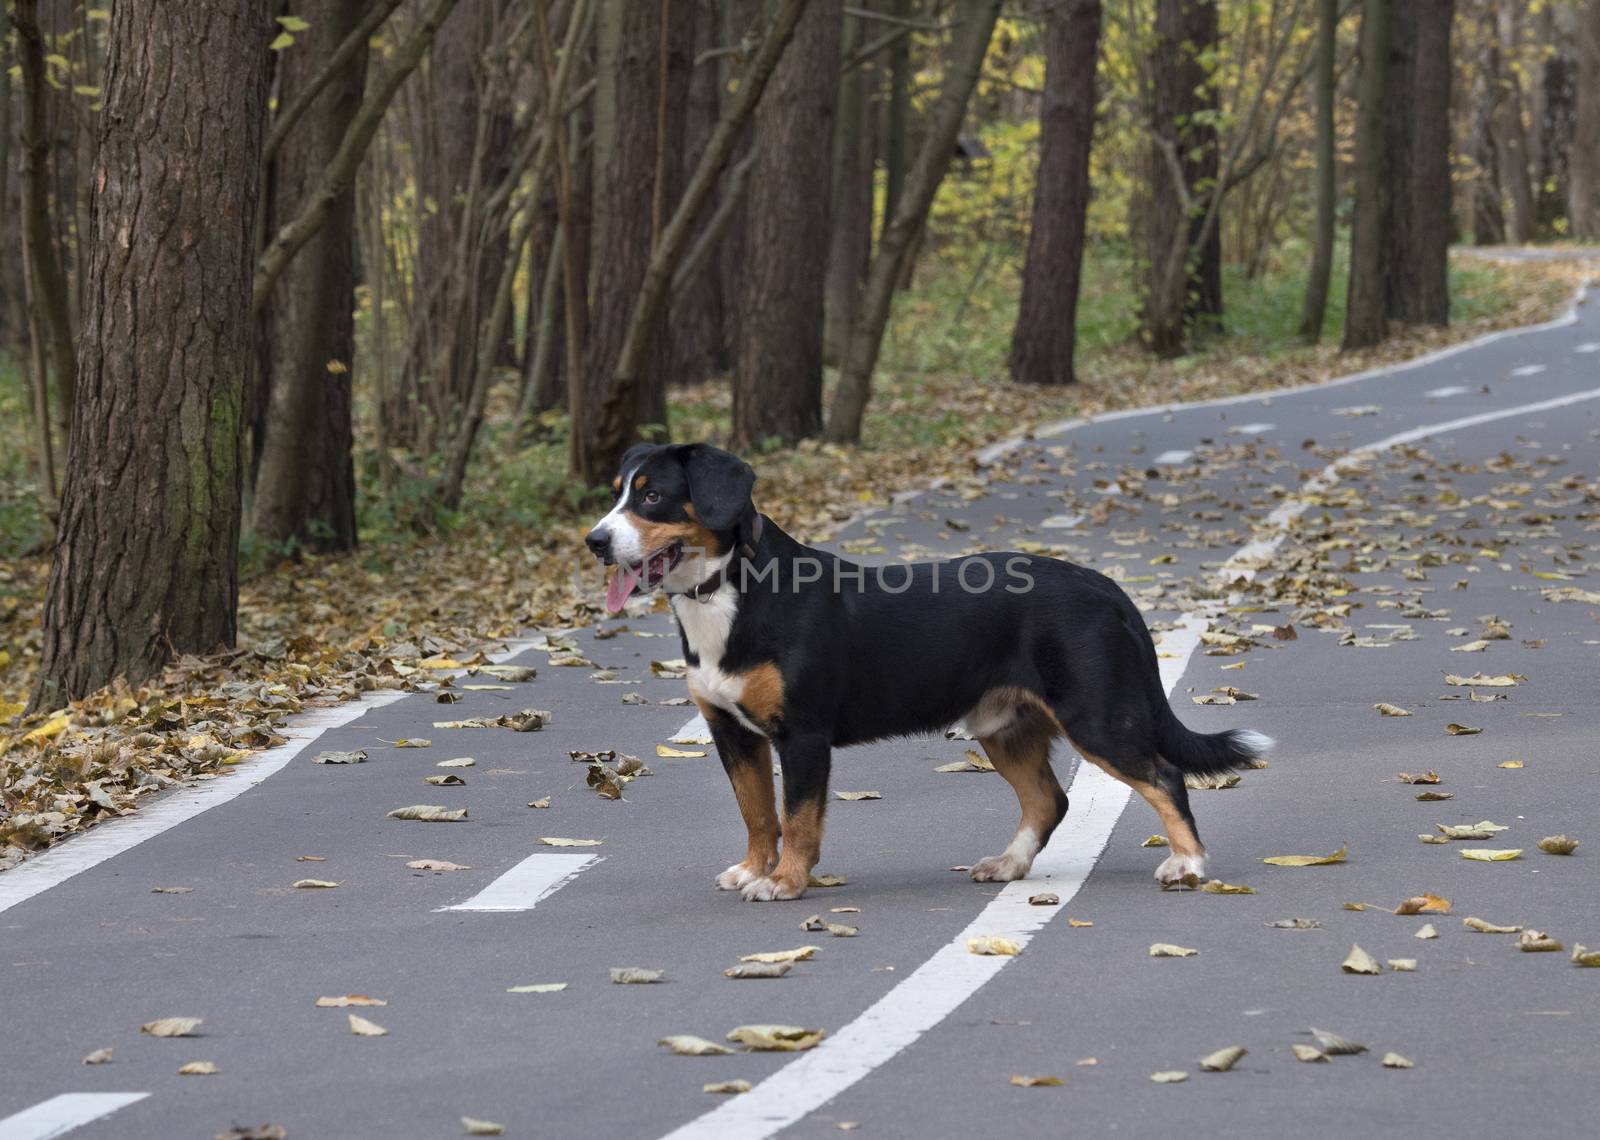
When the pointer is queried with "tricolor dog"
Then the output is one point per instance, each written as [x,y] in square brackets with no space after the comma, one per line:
[794,649]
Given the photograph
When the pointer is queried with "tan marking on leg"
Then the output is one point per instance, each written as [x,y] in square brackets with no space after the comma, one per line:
[802,847]
[1022,756]
[762,695]
[752,787]
[1188,853]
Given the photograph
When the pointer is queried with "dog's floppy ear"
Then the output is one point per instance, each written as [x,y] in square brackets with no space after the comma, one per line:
[719,486]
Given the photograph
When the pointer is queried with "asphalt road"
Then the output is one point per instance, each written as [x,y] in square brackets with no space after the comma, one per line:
[1479,502]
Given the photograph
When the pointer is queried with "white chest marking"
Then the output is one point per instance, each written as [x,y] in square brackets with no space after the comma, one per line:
[705,627]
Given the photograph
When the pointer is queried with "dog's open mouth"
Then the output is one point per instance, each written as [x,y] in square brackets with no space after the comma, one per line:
[642,576]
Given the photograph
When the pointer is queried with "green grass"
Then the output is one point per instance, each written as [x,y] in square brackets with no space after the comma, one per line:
[23,526]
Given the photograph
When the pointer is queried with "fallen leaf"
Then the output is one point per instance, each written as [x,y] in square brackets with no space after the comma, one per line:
[171,1027]
[538,988]
[1036,1082]
[1334,1045]
[1424,904]
[436,865]
[1308,1053]
[1482,927]
[758,970]
[1558,845]
[1402,965]
[677,753]
[1156,841]
[186,890]
[1396,1061]
[513,673]
[688,1045]
[735,1086]
[1223,1059]
[1211,782]
[1536,942]
[798,954]
[543,802]
[1218,887]
[1483,829]
[1489,855]
[1427,931]
[851,796]
[1358,961]
[445,780]
[1510,764]
[557,841]
[1079,922]
[458,762]
[1428,777]
[775,1038]
[402,743]
[314,884]
[1387,709]
[1470,647]
[1309,860]
[634,976]
[1484,681]
[361,1027]
[1461,730]
[1294,924]
[429,813]
[476,1127]
[98,1057]
[1169,950]
[674,669]
[1583,956]
[359,756]
[344,1000]
[993,944]
[198,1069]
[1044,898]
[827,881]
[1170,1077]
[1434,797]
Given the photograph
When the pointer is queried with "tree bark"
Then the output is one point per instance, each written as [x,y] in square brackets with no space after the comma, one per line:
[1488,214]
[1043,340]
[1316,303]
[777,385]
[305,481]
[896,143]
[850,197]
[1419,153]
[1366,306]
[146,558]
[1553,112]
[849,404]
[1584,187]
[1514,166]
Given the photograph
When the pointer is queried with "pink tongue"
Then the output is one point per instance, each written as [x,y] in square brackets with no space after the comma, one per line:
[620,587]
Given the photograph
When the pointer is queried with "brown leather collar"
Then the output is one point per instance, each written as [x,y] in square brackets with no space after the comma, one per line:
[703,589]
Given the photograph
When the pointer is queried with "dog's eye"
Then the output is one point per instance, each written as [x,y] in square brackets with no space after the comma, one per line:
[651,498]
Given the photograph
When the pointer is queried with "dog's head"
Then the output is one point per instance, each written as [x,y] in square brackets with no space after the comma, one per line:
[681,510]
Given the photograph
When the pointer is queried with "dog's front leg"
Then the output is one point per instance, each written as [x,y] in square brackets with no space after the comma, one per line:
[747,759]
[805,760]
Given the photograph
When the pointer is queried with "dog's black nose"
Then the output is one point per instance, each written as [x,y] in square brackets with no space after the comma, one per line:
[599,544]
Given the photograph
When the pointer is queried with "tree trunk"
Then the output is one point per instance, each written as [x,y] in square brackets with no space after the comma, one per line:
[1042,342]
[1584,187]
[850,242]
[896,145]
[12,318]
[1419,153]
[849,404]
[1488,215]
[1366,320]
[1316,303]
[305,481]
[1514,166]
[1553,112]
[146,561]
[777,385]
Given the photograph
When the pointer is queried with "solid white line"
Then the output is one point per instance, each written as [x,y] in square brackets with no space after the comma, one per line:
[1447,390]
[80,853]
[61,1114]
[1251,429]
[1177,455]
[1528,370]
[1588,346]
[945,981]
[694,731]
[536,877]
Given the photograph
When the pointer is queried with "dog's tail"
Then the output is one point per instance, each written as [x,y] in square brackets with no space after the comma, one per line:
[1210,753]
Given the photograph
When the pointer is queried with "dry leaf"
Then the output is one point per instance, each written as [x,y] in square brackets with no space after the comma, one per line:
[1461,730]
[1481,680]
[1536,942]
[1424,904]
[361,1027]
[1308,860]
[344,1000]
[634,976]
[1358,961]
[198,1069]
[827,881]
[1218,887]
[1044,898]
[1078,922]
[1170,1077]
[1036,1082]
[758,970]
[429,813]
[1391,710]
[1223,1059]
[476,1127]
[98,1057]
[1489,855]
[172,890]
[445,780]
[1483,829]
[458,762]
[557,841]
[1427,931]
[1396,1061]
[1583,956]
[1558,845]
[544,802]
[410,743]
[1294,924]
[1470,647]
[993,944]
[677,753]
[775,1038]
[1428,777]
[1334,1045]
[688,1045]
[851,796]
[1168,950]
[359,756]
[171,1027]
[1308,1053]
[735,1086]
[1156,841]
[436,865]
[314,884]
[1510,764]
[513,673]
[798,954]
[1402,965]
[1211,782]
[1434,797]
[538,988]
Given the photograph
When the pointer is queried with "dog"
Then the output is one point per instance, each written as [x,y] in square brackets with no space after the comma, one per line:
[792,648]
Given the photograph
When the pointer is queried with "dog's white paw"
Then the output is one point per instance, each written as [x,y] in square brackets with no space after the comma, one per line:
[735,878]
[768,889]
[1176,868]
[1000,869]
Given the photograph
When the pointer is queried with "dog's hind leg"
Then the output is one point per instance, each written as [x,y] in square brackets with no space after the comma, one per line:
[1021,753]
[747,758]
[1161,785]
[805,761]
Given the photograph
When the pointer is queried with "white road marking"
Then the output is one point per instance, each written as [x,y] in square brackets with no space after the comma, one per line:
[1178,455]
[694,731]
[1061,522]
[61,1114]
[941,984]
[1447,390]
[80,853]
[1528,370]
[535,878]
[1588,346]
[1251,429]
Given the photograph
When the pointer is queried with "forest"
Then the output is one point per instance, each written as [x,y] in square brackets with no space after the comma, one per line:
[323,323]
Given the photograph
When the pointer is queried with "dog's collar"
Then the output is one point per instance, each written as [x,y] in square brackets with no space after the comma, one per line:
[702,590]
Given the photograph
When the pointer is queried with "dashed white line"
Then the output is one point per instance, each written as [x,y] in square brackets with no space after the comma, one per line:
[61,1114]
[937,987]
[1588,346]
[1178,455]
[1251,429]
[536,877]
[1528,370]
[1447,390]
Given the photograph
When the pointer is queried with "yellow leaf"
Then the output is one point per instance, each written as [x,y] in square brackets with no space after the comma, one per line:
[798,954]
[361,1027]
[1218,887]
[993,944]
[49,730]
[1509,764]
[672,753]
[775,1038]
[283,40]
[1487,855]
[556,841]
[1358,961]
[199,1069]
[1168,950]
[294,24]
[1308,860]
[1036,1082]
